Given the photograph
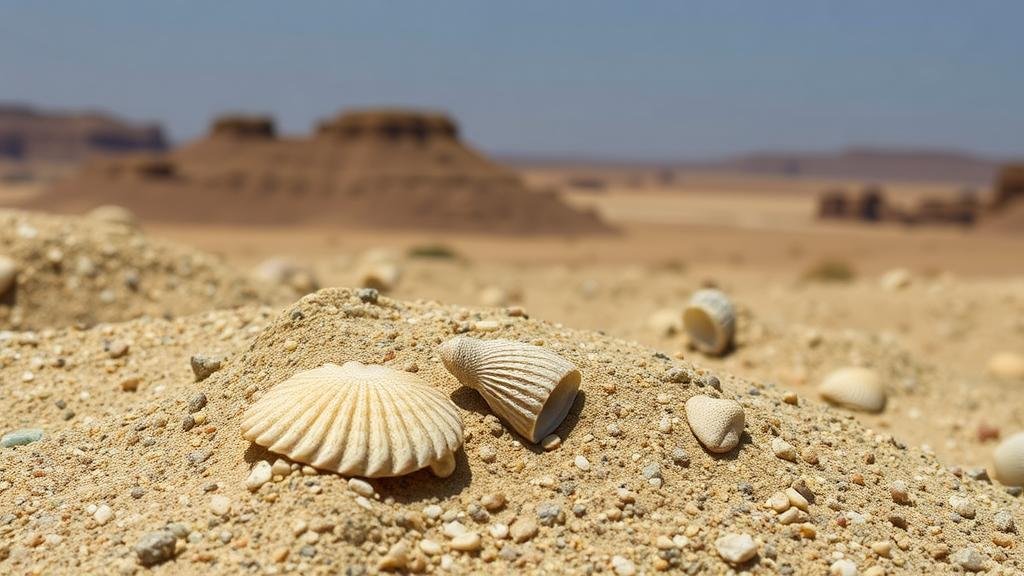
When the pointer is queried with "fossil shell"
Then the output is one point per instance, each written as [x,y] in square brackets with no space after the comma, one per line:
[1009,460]
[112,214]
[357,420]
[710,321]
[855,389]
[530,387]
[716,422]
[8,273]
[1003,365]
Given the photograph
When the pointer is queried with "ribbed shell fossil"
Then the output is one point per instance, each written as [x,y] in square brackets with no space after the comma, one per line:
[716,422]
[8,273]
[358,420]
[710,321]
[854,388]
[529,387]
[1009,460]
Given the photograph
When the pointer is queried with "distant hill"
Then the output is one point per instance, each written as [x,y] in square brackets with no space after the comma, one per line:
[860,163]
[31,135]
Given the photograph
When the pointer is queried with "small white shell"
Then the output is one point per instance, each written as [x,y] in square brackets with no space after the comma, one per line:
[530,387]
[112,214]
[8,273]
[716,422]
[854,388]
[357,420]
[1006,366]
[1009,460]
[710,321]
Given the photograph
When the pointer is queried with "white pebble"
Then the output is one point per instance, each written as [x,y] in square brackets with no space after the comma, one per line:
[220,505]
[623,566]
[736,548]
[360,487]
[783,449]
[582,463]
[433,511]
[499,531]
[467,542]
[843,567]
[430,547]
[259,475]
[453,529]
[103,514]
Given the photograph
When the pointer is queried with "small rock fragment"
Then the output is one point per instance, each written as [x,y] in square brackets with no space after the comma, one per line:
[155,547]
[203,366]
[736,548]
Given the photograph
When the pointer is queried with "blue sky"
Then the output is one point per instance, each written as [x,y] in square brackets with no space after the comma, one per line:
[654,80]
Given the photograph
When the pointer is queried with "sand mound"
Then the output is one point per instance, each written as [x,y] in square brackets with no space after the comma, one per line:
[371,169]
[628,490]
[85,270]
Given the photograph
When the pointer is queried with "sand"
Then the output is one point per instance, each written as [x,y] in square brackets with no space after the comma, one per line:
[604,515]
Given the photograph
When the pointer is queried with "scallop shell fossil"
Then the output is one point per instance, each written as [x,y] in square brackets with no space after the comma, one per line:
[1009,460]
[716,422]
[358,420]
[854,388]
[8,273]
[529,387]
[710,321]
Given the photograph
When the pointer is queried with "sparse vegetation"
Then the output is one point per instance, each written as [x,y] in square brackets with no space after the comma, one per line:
[830,271]
[437,251]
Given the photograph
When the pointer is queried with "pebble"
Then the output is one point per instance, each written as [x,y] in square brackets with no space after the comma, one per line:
[962,506]
[843,567]
[487,453]
[778,502]
[493,502]
[360,487]
[220,505]
[131,384]
[103,514]
[665,425]
[396,559]
[117,349]
[433,511]
[21,437]
[582,463]
[368,295]
[797,499]
[281,467]
[468,542]
[551,442]
[203,366]
[548,512]
[499,530]
[196,403]
[736,548]
[523,529]
[623,566]
[453,529]
[259,475]
[899,492]
[680,457]
[155,547]
[783,449]
[969,559]
[1003,521]
[431,547]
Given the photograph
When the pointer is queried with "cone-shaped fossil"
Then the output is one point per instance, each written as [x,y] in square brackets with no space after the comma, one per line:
[529,387]
[358,420]
[710,321]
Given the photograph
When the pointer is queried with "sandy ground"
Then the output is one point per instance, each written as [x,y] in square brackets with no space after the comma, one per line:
[593,300]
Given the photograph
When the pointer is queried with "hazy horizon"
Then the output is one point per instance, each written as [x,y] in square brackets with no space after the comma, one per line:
[589,80]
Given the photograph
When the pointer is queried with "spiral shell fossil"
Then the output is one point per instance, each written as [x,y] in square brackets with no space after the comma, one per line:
[529,387]
[8,273]
[1009,460]
[710,321]
[854,388]
[357,420]
[716,422]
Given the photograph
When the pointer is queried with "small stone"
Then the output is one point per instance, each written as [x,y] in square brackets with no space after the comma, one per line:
[548,513]
[431,547]
[882,548]
[843,567]
[797,499]
[736,548]
[155,547]
[258,476]
[281,467]
[1003,521]
[117,349]
[652,471]
[680,457]
[21,437]
[581,462]
[468,542]
[360,487]
[131,384]
[665,425]
[899,492]
[792,516]
[962,506]
[220,505]
[433,511]
[396,559]
[523,529]
[493,502]
[487,453]
[551,442]
[499,530]
[203,366]
[623,566]
[453,529]
[778,502]
[783,449]
[196,403]
[969,560]
[103,514]
[791,398]
[188,423]
[809,455]
[138,492]
[679,375]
